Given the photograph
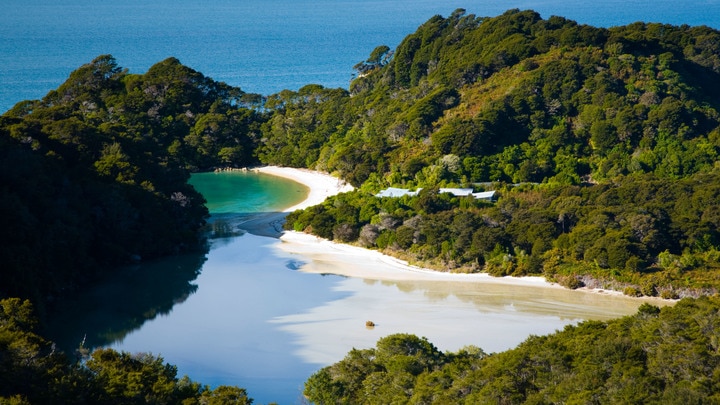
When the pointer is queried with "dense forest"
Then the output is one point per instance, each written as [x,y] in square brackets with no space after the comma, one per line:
[658,356]
[601,144]
[95,174]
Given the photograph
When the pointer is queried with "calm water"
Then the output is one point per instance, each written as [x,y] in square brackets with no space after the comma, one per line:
[263,46]
[231,193]
[242,314]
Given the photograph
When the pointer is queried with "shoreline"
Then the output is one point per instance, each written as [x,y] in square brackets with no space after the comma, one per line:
[353,261]
[320,186]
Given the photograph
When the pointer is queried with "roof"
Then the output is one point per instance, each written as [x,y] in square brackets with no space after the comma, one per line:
[459,192]
[485,195]
[396,192]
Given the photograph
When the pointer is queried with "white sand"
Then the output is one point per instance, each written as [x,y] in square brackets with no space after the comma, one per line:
[352,261]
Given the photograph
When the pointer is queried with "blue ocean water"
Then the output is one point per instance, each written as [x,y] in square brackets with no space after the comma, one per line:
[263,46]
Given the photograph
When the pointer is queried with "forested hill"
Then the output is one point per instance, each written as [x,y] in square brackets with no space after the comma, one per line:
[611,134]
[658,356]
[95,174]
[515,98]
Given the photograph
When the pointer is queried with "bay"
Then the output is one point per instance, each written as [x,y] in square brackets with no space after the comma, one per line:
[262,46]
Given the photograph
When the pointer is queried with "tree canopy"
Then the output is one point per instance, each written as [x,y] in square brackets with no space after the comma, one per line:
[658,356]
[601,143]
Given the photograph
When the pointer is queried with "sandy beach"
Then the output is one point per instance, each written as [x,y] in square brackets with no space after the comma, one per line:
[352,261]
[321,185]
[329,257]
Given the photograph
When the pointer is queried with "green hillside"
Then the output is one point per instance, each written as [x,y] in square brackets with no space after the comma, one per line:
[658,356]
[601,143]
[517,99]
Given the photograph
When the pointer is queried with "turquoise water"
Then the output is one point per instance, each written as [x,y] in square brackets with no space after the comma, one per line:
[247,192]
[262,46]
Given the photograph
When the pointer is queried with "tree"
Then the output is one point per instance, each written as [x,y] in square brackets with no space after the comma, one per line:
[225,395]
[380,55]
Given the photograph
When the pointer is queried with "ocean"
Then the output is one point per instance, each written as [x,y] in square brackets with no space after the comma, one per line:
[261,46]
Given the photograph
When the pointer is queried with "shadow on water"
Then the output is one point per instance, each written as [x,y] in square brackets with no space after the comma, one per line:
[133,295]
[124,301]
[227,225]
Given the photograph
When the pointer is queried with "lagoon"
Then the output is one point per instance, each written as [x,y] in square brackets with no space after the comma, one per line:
[264,314]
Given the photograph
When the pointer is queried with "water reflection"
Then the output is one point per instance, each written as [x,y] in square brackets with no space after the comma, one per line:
[450,314]
[129,297]
[490,297]
[222,333]
[124,301]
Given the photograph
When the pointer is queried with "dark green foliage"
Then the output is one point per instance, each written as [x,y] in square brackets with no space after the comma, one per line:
[33,371]
[385,374]
[620,127]
[95,174]
[657,356]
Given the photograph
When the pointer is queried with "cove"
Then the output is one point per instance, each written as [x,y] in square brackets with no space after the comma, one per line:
[252,312]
